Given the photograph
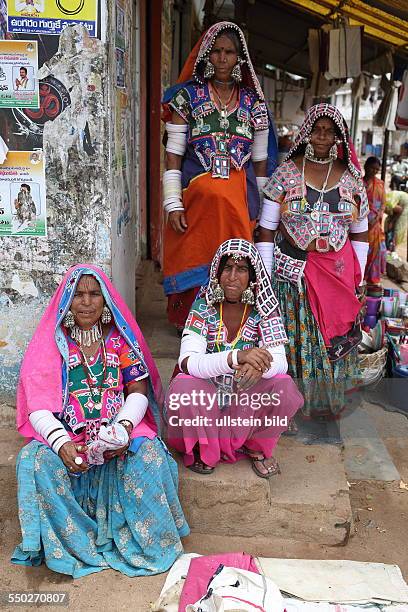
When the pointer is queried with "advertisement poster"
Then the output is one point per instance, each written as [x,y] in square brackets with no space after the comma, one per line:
[18,74]
[22,194]
[51,16]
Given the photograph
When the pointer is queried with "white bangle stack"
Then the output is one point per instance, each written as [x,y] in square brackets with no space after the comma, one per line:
[270,216]
[176,138]
[172,198]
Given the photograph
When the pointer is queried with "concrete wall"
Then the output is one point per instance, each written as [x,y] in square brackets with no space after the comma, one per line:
[91,181]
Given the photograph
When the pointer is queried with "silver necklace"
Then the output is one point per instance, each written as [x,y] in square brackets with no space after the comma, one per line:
[317,160]
[86,337]
[315,209]
[223,82]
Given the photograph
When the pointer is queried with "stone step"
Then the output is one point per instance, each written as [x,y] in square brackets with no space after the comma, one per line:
[308,502]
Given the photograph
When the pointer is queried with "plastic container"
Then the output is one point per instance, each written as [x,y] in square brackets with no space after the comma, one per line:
[403,349]
[373,305]
[402,297]
[370,321]
[388,305]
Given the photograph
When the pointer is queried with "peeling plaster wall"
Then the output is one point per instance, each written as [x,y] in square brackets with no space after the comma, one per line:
[124,134]
[81,209]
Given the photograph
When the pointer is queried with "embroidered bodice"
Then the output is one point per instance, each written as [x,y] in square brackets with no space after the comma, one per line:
[256,331]
[304,218]
[195,105]
[86,411]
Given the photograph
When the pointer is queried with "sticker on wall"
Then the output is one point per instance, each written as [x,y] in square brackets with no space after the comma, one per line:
[22,194]
[120,68]
[51,16]
[120,30]
[18,74]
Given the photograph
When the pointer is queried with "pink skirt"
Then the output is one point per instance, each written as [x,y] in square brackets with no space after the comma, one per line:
[196,414]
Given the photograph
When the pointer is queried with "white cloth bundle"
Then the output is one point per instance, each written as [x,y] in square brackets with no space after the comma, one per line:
[237,589]
[110,437]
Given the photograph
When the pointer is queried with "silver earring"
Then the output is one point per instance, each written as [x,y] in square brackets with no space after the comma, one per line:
[209,70]
[333,152]
[248,295]
[237,72]
[106,315]
[218,291]
[69,320]
[309,151]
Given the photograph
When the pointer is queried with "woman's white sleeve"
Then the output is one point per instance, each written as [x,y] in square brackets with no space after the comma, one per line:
[49,428]
[200,364]
[279,364]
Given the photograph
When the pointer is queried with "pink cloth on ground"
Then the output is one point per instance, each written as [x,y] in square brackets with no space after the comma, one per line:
[40,382]
[331,281]
[201,570]
[222,442]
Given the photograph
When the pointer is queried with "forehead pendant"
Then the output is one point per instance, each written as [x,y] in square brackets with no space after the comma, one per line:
[236,257]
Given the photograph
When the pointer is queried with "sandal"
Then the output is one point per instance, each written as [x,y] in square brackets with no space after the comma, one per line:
[252,454]
[272,469]
[200,467]
[292,429]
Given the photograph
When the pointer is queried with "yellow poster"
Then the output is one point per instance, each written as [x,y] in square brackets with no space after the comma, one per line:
[22,194]
[51,16]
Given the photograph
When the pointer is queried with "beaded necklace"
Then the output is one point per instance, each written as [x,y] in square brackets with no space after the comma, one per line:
[237,337]
[95,395]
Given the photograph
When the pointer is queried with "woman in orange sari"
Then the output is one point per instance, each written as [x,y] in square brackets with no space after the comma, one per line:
[376,198]
[220,148]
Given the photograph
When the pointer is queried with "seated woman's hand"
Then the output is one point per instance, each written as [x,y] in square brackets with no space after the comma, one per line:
[178,221]
[68,453]
[247,376]
[258,358]
[118,452]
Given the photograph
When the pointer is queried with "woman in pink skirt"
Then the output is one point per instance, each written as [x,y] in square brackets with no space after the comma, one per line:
[232,397]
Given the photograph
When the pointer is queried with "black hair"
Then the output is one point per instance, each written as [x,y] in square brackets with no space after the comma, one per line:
[223,261]
[23,68]
[27,187]
[370,161]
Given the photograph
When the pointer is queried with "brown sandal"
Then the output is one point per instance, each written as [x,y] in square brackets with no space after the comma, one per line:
[200,467]
[272,469]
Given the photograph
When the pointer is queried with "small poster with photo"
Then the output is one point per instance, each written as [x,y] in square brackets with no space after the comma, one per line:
[22,194]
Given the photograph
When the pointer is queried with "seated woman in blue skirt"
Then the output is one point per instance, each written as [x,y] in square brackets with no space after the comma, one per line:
[97,488]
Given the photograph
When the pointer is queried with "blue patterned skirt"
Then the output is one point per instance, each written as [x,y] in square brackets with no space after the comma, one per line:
[123,515]
[322,383]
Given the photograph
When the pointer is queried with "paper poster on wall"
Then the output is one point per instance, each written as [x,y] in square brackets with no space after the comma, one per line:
[120,68]
[18,74]
[51,16]
[22,194]
[120,30]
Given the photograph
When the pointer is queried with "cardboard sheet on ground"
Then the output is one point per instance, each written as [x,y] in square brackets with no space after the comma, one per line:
[337,581]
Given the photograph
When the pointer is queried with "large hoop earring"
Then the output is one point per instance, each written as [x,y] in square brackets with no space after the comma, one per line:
[237,72]
[69,320]
[218,292]
[209,70]
[106,315]
[309,151]
[248,295]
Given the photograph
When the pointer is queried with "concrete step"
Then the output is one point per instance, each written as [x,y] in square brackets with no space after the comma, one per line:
[308,502]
